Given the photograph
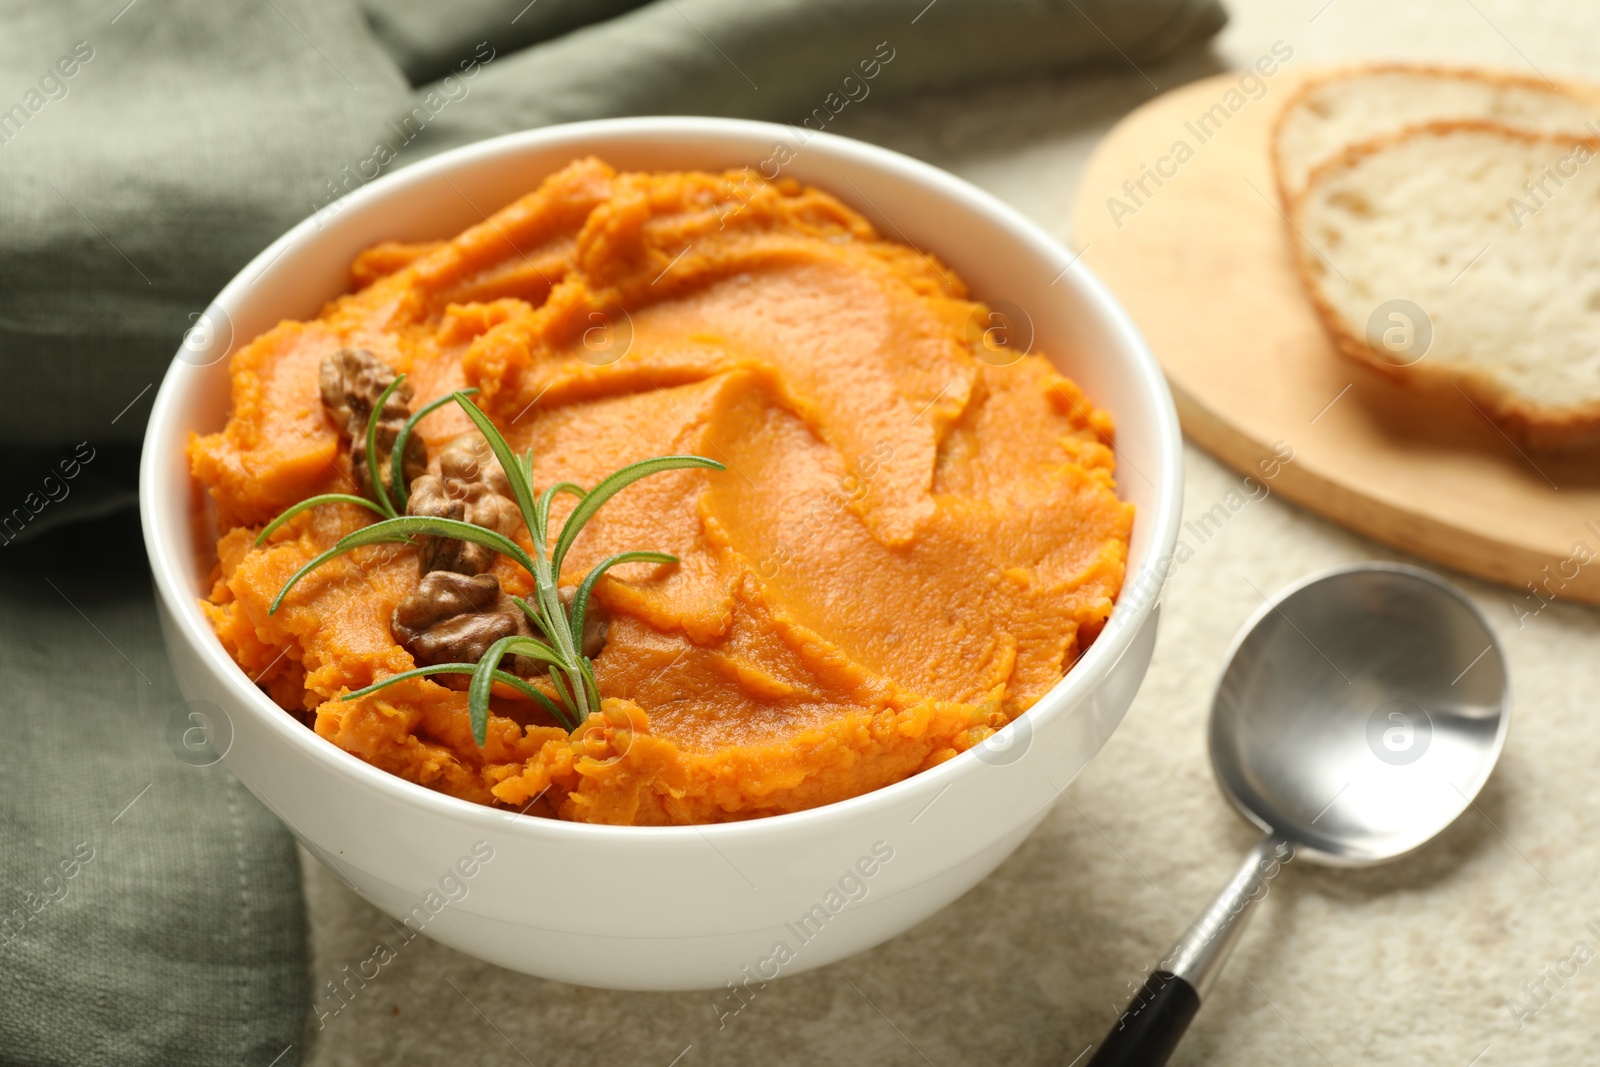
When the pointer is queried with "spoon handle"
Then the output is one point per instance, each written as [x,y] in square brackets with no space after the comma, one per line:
[1154,1021]
[1152,1024]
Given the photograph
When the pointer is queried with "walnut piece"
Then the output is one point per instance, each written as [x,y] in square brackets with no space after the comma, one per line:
[469,486]
[459,609]
[454,618]
[351,381]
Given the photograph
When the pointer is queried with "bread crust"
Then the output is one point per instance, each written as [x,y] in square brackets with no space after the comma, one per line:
[1484,77]
[1535,425]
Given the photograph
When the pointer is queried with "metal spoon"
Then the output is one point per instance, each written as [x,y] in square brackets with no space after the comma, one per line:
[1359,714]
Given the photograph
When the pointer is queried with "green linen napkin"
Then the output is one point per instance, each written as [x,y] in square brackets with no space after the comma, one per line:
[190,133]
[149,906]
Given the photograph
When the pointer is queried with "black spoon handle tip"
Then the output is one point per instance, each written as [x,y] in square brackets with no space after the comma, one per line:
[1150,1027]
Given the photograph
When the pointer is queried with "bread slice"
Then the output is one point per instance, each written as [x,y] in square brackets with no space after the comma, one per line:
[1494,234]
[1328,114]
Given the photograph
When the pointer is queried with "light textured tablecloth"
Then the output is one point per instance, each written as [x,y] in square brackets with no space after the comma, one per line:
[1410,963]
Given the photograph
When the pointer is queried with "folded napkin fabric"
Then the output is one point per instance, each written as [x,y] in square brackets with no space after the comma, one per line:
[150,907]
[193,132]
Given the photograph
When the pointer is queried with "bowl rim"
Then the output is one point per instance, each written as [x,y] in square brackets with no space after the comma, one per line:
[1127,618]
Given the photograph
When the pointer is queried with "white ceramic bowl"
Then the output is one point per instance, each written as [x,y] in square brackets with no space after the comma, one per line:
[674,907]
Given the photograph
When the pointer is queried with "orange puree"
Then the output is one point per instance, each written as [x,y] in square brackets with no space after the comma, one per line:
[907,549]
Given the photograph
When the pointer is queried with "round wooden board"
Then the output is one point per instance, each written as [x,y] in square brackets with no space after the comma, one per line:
[1202,263]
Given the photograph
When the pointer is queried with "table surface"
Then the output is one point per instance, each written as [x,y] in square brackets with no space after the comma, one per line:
[1473,951]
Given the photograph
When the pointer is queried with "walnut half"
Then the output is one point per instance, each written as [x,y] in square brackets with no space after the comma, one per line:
[469,486]
[351,381]
[454,618]
[458,609]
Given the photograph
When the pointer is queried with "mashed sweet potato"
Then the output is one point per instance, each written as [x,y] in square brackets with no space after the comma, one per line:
[909,545]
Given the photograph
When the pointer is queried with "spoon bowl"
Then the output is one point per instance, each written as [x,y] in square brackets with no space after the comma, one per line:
[1360,713]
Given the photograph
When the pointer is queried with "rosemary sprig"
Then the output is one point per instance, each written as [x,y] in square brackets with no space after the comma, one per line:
[397,481]
[310,502]
[399,530]
[571,673]
[580,600]
[389,503]
[372,448]
[521,685]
